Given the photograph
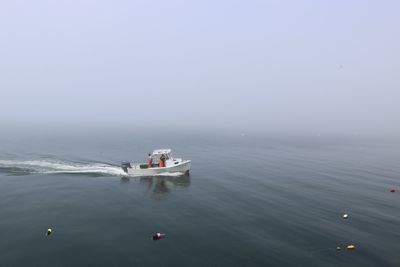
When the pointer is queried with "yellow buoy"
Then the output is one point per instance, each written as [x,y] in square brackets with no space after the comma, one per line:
[338,248]
[351,247]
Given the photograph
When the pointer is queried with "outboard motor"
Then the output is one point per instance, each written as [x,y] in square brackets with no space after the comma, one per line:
[125,165]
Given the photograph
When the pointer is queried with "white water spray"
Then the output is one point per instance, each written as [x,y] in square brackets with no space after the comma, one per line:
[52,166]
[57,166]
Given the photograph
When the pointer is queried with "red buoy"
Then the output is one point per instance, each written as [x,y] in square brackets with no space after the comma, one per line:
[392,190]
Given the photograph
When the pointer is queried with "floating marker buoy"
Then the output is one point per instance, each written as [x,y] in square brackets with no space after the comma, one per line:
[345,216]
[351,247]
[392,190]
[338,248]
[49,231]
[158,236]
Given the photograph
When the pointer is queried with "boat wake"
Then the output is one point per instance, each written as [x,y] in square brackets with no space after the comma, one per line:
[52,166]
[49,166]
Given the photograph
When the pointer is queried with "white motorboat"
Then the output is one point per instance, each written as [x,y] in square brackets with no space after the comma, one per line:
[172,165]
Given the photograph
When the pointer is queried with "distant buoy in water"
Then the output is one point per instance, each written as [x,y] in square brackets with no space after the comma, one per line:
[338,248]
[345,216]
[158,236]
[351,247]
[392,190]
[49,231]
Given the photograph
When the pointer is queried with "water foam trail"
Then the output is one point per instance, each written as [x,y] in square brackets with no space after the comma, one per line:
[57,166]
[50,166]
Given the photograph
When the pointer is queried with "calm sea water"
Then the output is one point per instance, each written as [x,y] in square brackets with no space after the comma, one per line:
[249,201]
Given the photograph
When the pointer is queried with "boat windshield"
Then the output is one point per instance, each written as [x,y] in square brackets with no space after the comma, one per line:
[158,153]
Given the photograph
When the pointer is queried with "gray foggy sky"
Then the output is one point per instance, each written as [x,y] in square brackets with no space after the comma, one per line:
[318,66]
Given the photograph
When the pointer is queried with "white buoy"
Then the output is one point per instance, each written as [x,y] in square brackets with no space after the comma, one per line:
[345,216]
[49,231]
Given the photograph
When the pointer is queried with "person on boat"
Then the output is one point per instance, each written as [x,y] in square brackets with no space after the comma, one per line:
[150,161]
[162,161]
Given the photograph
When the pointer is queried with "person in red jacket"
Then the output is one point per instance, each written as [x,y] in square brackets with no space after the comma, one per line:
[162,161]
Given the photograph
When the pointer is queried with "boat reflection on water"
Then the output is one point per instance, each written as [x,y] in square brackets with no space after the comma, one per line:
[163,184]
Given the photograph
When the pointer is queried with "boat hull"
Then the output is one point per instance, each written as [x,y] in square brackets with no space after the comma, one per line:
[182,167]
